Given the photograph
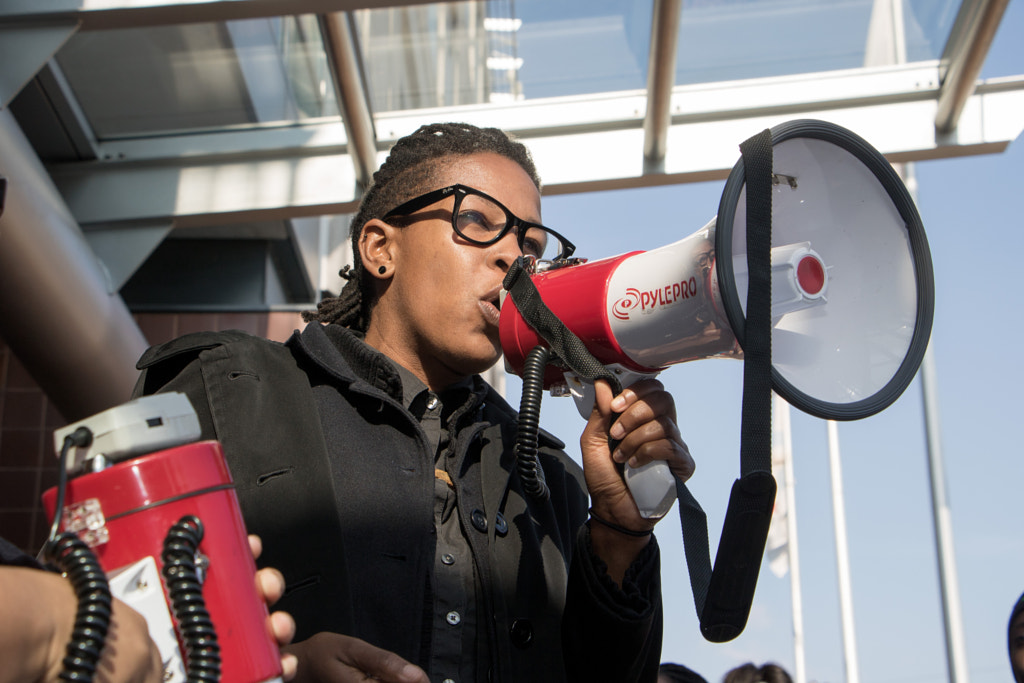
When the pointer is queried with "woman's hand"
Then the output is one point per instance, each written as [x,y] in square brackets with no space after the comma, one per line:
[642,422]
[270,587]
[334,658]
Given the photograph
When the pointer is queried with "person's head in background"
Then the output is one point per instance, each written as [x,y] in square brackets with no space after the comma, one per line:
[749,673]
[1015,640]
[669,672]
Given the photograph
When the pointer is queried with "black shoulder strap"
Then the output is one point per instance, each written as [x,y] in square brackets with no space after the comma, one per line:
[567,347]
[725,605]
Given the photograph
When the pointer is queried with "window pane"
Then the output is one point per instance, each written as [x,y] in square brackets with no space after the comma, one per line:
[722,40]
[199,76]
[474,53]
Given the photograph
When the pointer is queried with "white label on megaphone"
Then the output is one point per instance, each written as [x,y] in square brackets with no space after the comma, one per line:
[139,586]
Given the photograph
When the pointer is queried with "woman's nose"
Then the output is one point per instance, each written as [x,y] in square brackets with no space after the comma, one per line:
[506,251]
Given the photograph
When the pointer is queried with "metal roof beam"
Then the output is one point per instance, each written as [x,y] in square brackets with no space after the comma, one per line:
[579,144]
[964,55]
[24,50]
[66,107]
[661,76]
[342,45]
[94,15]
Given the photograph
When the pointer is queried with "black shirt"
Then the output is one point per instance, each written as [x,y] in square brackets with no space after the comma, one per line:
[452,632]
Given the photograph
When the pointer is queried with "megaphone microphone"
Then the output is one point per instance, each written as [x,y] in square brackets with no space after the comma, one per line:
[851,291]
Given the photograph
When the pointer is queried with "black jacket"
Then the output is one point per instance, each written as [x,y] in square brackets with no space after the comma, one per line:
[336,477]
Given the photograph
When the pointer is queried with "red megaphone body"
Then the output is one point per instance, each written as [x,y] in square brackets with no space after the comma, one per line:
[125,512]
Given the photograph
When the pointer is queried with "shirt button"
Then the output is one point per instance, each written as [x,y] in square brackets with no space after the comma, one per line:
[448,558]
[522,633]
[453,618]
[500,525]
[432,402]
[479,520]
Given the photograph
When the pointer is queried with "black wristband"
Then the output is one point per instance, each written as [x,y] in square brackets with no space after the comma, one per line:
[616,527]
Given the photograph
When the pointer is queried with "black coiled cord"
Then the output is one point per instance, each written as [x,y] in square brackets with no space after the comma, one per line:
[92,619]
[71,556]
[186,591]
[530,472]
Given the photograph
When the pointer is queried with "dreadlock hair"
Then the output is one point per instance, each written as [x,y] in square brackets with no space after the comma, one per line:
[408,171]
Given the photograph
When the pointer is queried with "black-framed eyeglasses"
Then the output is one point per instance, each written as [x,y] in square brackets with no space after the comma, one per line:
[482,219]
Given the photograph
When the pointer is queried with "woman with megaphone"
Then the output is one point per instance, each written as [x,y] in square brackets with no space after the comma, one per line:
[380,468]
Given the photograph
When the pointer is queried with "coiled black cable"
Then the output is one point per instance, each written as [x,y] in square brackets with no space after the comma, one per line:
[71,556]
[202,653]
[530,472]
[92,619]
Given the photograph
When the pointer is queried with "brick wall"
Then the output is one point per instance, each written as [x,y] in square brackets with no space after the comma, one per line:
[28,464]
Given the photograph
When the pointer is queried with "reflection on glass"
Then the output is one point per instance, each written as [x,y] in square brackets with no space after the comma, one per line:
[428,55]
[257,71]
[927,26]
[462,53]
[199,76]
[724,40]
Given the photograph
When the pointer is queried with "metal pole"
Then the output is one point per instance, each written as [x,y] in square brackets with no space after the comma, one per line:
[966,49]
[59,313]
[661,75]
[956,652]
[342,46]
[842,556]
[781,412]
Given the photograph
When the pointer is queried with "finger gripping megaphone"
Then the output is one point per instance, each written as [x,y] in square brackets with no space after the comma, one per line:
[847,320]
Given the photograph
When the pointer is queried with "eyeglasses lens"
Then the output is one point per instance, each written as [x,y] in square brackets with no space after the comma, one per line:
[481,220]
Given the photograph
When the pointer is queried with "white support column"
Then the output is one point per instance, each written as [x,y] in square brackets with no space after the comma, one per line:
[952,616]
[782,549]
[842,556]
[781,411]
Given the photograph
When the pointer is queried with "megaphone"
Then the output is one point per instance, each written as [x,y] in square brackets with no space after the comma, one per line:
[154,511]
[851,290]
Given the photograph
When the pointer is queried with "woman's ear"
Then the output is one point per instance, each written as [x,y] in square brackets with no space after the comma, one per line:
[377,247]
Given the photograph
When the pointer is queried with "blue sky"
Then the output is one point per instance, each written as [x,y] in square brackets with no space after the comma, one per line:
[976,234]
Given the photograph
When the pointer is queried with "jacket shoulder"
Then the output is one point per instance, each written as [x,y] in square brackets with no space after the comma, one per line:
[162,363]
[193,344]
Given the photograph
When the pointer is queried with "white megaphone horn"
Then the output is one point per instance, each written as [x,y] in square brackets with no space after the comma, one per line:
[851,295]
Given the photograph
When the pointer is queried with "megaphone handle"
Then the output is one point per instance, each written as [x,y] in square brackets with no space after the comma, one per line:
[655,485]
[652,486]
